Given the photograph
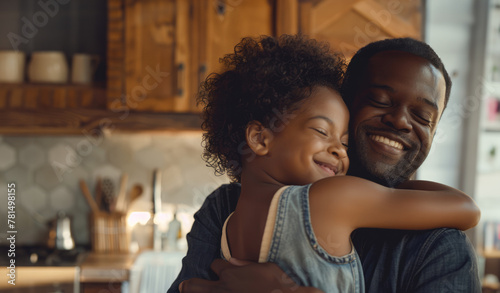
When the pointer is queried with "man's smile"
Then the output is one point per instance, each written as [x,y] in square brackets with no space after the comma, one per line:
[387,141]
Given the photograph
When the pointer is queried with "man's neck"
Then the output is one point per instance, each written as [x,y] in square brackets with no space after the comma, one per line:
[388,181]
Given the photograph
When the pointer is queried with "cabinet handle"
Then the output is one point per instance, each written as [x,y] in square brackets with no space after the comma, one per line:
[180,79]
[220,8]
[201,73]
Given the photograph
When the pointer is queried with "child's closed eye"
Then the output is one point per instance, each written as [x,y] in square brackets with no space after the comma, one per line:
[320,131]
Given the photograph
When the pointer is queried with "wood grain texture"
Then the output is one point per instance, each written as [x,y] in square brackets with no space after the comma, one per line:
[15,99]
[287,17]
[31,95]
[305,21]
[59,98]
[159,51]
[115,52]
[45,98]
[349,25]
[106,267]
[327,13]
[393,25]
[88,197]
[4,96]
[182,93]
[80,121]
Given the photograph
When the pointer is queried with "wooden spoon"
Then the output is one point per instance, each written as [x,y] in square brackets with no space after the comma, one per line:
[134,194]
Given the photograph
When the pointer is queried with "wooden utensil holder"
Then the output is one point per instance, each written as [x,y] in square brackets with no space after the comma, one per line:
[109,232]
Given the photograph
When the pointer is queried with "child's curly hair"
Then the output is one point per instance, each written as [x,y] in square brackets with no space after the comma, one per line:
[262,78]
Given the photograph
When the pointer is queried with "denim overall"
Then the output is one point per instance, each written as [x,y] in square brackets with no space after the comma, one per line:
[295,249]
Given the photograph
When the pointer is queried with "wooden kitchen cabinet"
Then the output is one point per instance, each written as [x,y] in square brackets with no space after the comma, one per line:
[159,51]
[156,51]
[221,25]
[170,46]
[350,25]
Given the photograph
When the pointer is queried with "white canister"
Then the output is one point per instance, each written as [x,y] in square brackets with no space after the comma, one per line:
[48,67]
[83,67]
[12,66]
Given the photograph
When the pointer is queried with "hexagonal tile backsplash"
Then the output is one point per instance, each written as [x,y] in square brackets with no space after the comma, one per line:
[47,171]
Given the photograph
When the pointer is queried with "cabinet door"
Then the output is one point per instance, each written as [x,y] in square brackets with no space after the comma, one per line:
[350,25]
[221,24]
[156,52]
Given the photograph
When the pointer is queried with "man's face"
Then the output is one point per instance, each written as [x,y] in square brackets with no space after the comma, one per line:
[394,116]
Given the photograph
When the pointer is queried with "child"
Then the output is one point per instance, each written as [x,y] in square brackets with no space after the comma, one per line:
[275,122]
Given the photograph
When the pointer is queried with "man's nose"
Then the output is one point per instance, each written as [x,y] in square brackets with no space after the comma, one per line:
[399,119]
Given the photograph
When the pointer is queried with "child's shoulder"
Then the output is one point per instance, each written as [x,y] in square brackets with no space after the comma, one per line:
[344,181]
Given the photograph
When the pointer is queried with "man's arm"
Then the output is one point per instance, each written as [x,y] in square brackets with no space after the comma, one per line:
[204,237]
[248,278]
[446,264]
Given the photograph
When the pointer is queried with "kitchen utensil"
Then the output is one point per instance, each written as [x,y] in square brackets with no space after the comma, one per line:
[108,194]
[134,194]
[109,232]
[83,67]
[156,191]
[60,236]
[48,67]
[156,208]
[121,198]
[12,66]
[90,200]
[98,192]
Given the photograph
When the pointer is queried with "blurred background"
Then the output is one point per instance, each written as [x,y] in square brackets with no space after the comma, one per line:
[97,104]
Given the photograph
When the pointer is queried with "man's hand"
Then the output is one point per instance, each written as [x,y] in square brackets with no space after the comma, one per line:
[251,278]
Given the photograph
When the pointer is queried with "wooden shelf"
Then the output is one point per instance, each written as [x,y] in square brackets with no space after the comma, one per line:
[84,121]
[55,96]
[30,109]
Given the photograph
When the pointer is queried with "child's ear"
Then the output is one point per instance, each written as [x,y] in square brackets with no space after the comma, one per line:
[258,138]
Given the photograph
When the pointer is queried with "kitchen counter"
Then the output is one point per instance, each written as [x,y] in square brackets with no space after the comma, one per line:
[106,267]
[101,272]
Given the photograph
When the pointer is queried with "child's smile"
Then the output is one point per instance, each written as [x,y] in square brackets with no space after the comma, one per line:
[328,168]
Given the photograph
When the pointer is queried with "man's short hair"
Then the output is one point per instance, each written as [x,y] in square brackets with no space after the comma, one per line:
[360,60]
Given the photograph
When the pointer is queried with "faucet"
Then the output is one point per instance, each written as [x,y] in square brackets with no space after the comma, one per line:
[156,209]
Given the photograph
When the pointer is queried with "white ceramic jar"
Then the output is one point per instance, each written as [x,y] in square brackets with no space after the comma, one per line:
[48,67]
[83,68]
[12,66]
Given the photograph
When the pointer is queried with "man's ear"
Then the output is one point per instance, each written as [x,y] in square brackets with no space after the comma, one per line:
[258,138]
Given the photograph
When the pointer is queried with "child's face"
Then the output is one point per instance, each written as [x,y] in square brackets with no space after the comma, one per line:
[313,144]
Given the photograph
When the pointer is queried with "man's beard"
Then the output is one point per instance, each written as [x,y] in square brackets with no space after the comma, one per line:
[383,173]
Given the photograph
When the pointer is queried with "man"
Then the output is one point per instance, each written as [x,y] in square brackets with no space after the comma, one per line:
[396,90]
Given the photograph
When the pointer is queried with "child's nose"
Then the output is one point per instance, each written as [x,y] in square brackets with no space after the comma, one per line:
[338,149]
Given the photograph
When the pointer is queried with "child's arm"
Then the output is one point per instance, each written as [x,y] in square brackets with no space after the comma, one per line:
[357,203]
